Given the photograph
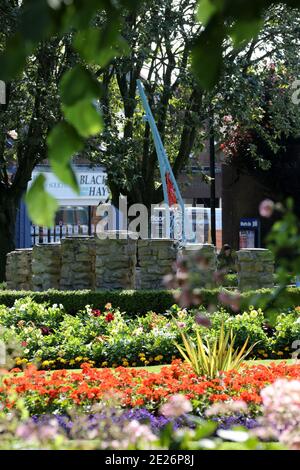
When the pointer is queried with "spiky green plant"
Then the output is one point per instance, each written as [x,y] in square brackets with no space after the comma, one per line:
[211,358]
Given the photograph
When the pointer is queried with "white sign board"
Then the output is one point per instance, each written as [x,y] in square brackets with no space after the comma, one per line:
[92,184]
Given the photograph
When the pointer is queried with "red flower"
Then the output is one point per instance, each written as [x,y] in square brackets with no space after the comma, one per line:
[109,317]
[24,344]
[96,313]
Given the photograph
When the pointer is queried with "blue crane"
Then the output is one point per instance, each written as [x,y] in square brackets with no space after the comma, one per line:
[165,168]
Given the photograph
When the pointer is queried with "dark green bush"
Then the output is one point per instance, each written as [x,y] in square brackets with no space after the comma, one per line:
[140,302]
[132,302]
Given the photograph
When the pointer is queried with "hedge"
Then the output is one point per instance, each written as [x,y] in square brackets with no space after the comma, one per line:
[140,302]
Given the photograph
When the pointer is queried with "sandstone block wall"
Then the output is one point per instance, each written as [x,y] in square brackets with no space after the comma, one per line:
[46,267]
[78,263]
[156,258]
[255,268]
[18,270]
[111,263]
[115,263]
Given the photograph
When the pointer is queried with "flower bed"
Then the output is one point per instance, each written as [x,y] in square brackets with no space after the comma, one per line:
[46,392]
[53,339]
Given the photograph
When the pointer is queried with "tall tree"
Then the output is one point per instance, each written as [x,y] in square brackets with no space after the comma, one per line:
[33,107]
[160,37]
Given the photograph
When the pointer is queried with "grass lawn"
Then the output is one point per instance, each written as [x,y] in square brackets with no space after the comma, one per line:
[253,362]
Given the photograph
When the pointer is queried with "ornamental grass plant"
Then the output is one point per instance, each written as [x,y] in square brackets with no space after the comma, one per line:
[210,359]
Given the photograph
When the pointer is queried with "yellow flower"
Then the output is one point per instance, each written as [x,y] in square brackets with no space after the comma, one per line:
[125,364]
[146,363]
[265,355]
[72,362]
[151,359]
[104,364]
[114,365]
[108,306]
[79,358]
[280,353]
[142,354]
[143,359]
[63,361]
[45,363]
[287,349]
[134,364]
[158,358]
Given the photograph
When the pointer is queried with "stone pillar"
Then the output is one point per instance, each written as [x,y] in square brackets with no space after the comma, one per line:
[18,269]
[201,262]
[46,265]
[156,257]
[255,268]
[116,261]
[78,263]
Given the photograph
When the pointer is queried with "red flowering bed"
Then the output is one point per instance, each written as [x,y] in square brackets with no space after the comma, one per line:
[60,390]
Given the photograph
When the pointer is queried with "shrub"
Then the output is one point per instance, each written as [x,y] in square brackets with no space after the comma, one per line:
[139,302]
[287,334]
[132,302]
[210,358]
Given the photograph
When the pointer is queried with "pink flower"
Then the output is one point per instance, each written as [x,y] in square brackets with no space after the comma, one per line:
[203,321]
[266,208]
[177,405]
[281,407]
[232,300]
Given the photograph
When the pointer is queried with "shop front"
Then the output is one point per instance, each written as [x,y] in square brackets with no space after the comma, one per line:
[77,212]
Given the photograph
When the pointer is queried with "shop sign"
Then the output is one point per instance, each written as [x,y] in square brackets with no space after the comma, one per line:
[92,185]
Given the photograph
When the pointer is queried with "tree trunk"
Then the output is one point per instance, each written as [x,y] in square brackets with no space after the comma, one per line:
[8,214]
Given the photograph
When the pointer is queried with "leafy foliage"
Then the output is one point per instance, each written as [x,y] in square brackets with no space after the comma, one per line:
[226,23]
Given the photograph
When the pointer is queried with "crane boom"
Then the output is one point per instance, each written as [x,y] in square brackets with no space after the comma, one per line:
[167,176]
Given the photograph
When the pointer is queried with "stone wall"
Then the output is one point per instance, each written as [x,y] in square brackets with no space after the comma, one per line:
[46,267]
[78,263]
[115,262]
[255,268]
[92,263]
[156,258]
[201,261]
[18,270]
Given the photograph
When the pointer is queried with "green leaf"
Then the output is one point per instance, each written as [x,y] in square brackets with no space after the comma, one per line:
[41,205]
[79,84]
[206,9]
[63,142]
[243,31]
[101,46]
[13,59]
[37,13]
[85,117]
[207,56]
